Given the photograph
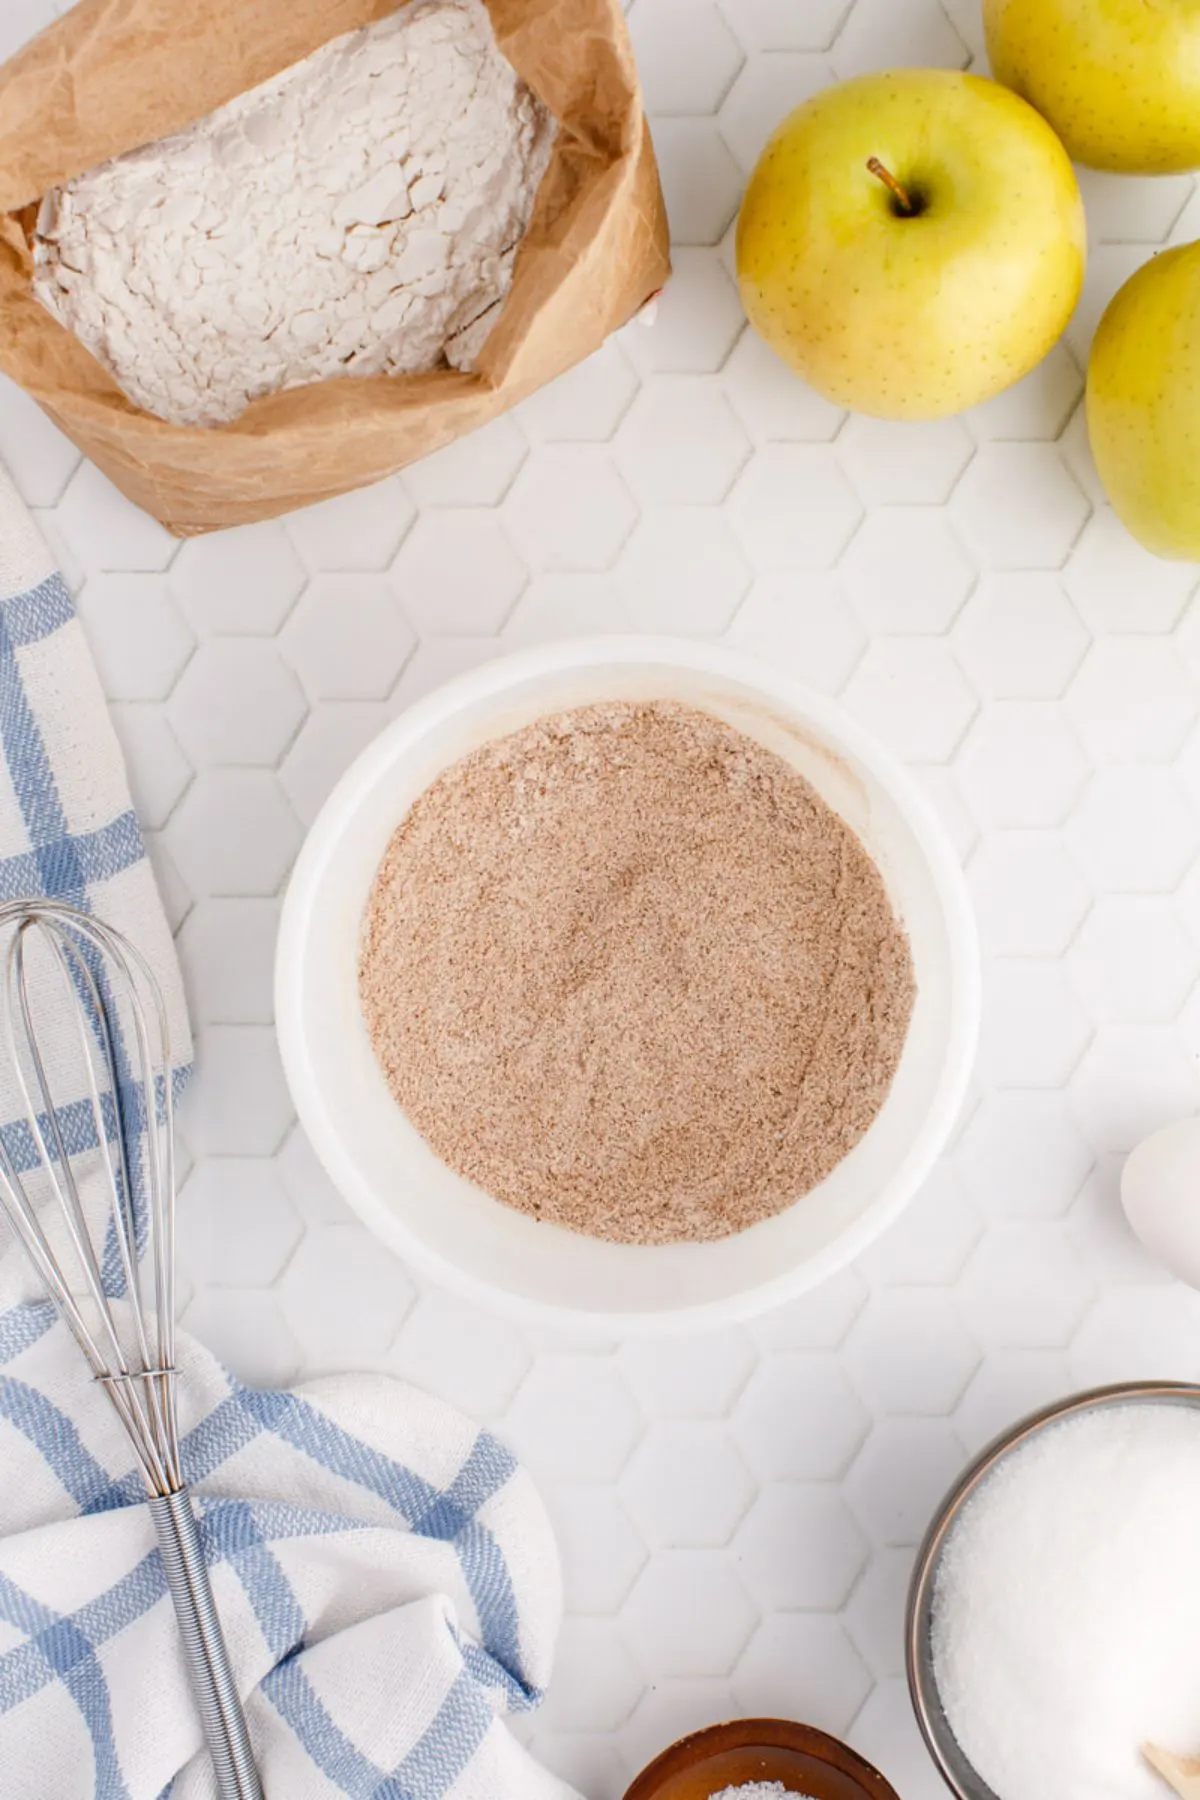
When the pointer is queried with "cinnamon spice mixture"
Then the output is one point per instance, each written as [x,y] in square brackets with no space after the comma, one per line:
[628,972]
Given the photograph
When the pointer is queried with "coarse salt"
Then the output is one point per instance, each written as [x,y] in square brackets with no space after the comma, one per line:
[359,214]
[1066,1614]
[759,1790]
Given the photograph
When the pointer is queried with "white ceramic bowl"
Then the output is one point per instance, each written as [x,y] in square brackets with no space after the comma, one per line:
[449,1228]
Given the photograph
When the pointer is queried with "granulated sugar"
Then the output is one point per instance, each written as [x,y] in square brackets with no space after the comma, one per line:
[628,972]
[1066,1608]
[358,215]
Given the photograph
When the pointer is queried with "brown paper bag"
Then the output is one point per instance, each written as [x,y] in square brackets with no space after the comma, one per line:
[115,74]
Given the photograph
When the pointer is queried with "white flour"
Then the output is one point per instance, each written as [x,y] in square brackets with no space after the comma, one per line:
[357,215]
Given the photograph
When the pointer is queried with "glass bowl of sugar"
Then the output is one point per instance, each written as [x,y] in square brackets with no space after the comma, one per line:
[760,1759]
[1053,1608]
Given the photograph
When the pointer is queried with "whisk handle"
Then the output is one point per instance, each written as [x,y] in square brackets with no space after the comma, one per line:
[216,1695]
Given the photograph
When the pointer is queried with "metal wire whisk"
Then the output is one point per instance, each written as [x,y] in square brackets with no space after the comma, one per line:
[101,1233]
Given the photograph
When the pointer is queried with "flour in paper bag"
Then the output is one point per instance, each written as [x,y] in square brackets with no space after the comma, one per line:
[359,214]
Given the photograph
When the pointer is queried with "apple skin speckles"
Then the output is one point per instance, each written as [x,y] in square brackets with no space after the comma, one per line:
[1143,398]
[912,316]
[1119,80]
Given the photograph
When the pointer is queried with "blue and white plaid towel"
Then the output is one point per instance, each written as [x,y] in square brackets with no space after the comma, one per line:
[67,827]
[385,1573]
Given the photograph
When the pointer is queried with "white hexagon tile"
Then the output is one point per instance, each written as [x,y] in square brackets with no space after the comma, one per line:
[737,1511]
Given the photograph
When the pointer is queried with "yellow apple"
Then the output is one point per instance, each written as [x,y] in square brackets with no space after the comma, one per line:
[1119,80]
[1143,403]
[912,243]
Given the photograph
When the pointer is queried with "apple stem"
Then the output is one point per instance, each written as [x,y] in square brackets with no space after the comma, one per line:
[898,193]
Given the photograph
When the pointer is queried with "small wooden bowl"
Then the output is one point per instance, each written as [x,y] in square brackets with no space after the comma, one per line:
[800,1758]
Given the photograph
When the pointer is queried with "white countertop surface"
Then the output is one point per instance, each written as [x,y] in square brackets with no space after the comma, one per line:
[737,1512]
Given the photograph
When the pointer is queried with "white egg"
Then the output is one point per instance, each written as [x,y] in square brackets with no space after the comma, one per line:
[1160,1191]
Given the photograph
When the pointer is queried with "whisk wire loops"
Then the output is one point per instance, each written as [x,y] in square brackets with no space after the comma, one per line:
[87,1181]
[100,1129]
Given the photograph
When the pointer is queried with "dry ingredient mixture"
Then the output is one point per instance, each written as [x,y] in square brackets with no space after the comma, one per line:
[357,215]
[626,970]
[1066,1608]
